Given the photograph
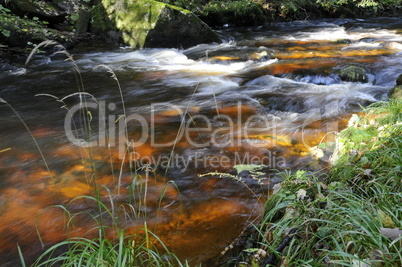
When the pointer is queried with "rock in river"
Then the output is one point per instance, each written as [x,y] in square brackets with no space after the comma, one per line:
[145,23]
[353,74]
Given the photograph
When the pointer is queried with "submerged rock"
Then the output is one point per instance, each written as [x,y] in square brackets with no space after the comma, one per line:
[343,41]
[353,74]
[146,23]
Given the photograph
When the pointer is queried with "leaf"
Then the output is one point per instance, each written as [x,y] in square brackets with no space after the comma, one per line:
[74,17]
[21,256]
[359,263]
[327,145]
[248,167]
[290,197]
[89,115]
[251,250]
[276,188]
[301,194]
[4,150]
[6,33]
[362,133]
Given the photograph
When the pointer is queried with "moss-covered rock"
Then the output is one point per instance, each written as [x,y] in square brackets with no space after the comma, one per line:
[100,22]
[396,92]
[353,74]
[146,23]
[42,9]
[81,24]
[25,32]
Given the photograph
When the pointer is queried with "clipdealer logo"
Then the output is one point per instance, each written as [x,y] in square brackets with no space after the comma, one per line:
[219,131]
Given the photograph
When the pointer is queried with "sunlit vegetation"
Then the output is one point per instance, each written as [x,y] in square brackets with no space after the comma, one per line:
[256,12]
[350,217]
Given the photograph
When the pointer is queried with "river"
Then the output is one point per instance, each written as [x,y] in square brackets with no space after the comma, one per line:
[170,123]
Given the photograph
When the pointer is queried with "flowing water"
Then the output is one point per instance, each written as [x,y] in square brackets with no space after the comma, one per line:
[265,96]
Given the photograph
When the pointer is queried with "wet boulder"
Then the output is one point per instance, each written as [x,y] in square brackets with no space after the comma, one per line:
[399,80]
[146,23]
[353,74]
[396,92]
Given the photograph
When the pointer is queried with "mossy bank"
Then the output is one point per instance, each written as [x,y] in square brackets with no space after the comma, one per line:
[349,217]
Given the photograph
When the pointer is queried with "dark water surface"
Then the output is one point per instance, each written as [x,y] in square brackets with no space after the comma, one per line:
[267,95]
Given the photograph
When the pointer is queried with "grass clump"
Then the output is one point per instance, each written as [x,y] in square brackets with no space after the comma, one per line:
[349,217]
[126,250]
[370,149]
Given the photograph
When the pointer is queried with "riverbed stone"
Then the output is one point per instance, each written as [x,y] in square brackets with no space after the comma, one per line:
[353,74]
[146,23]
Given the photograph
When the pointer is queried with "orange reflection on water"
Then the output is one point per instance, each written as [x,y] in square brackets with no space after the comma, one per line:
[203,231]
[290,67]
[333,54]
[237,110]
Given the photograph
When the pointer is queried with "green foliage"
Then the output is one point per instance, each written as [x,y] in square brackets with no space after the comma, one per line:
[218,13]
[192,5]
[233,12]
[24,30]
[370,150]
[255,12]
[100,21]
[334,225]
[4,11]
[335,5]
[74,18]
[5,32]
